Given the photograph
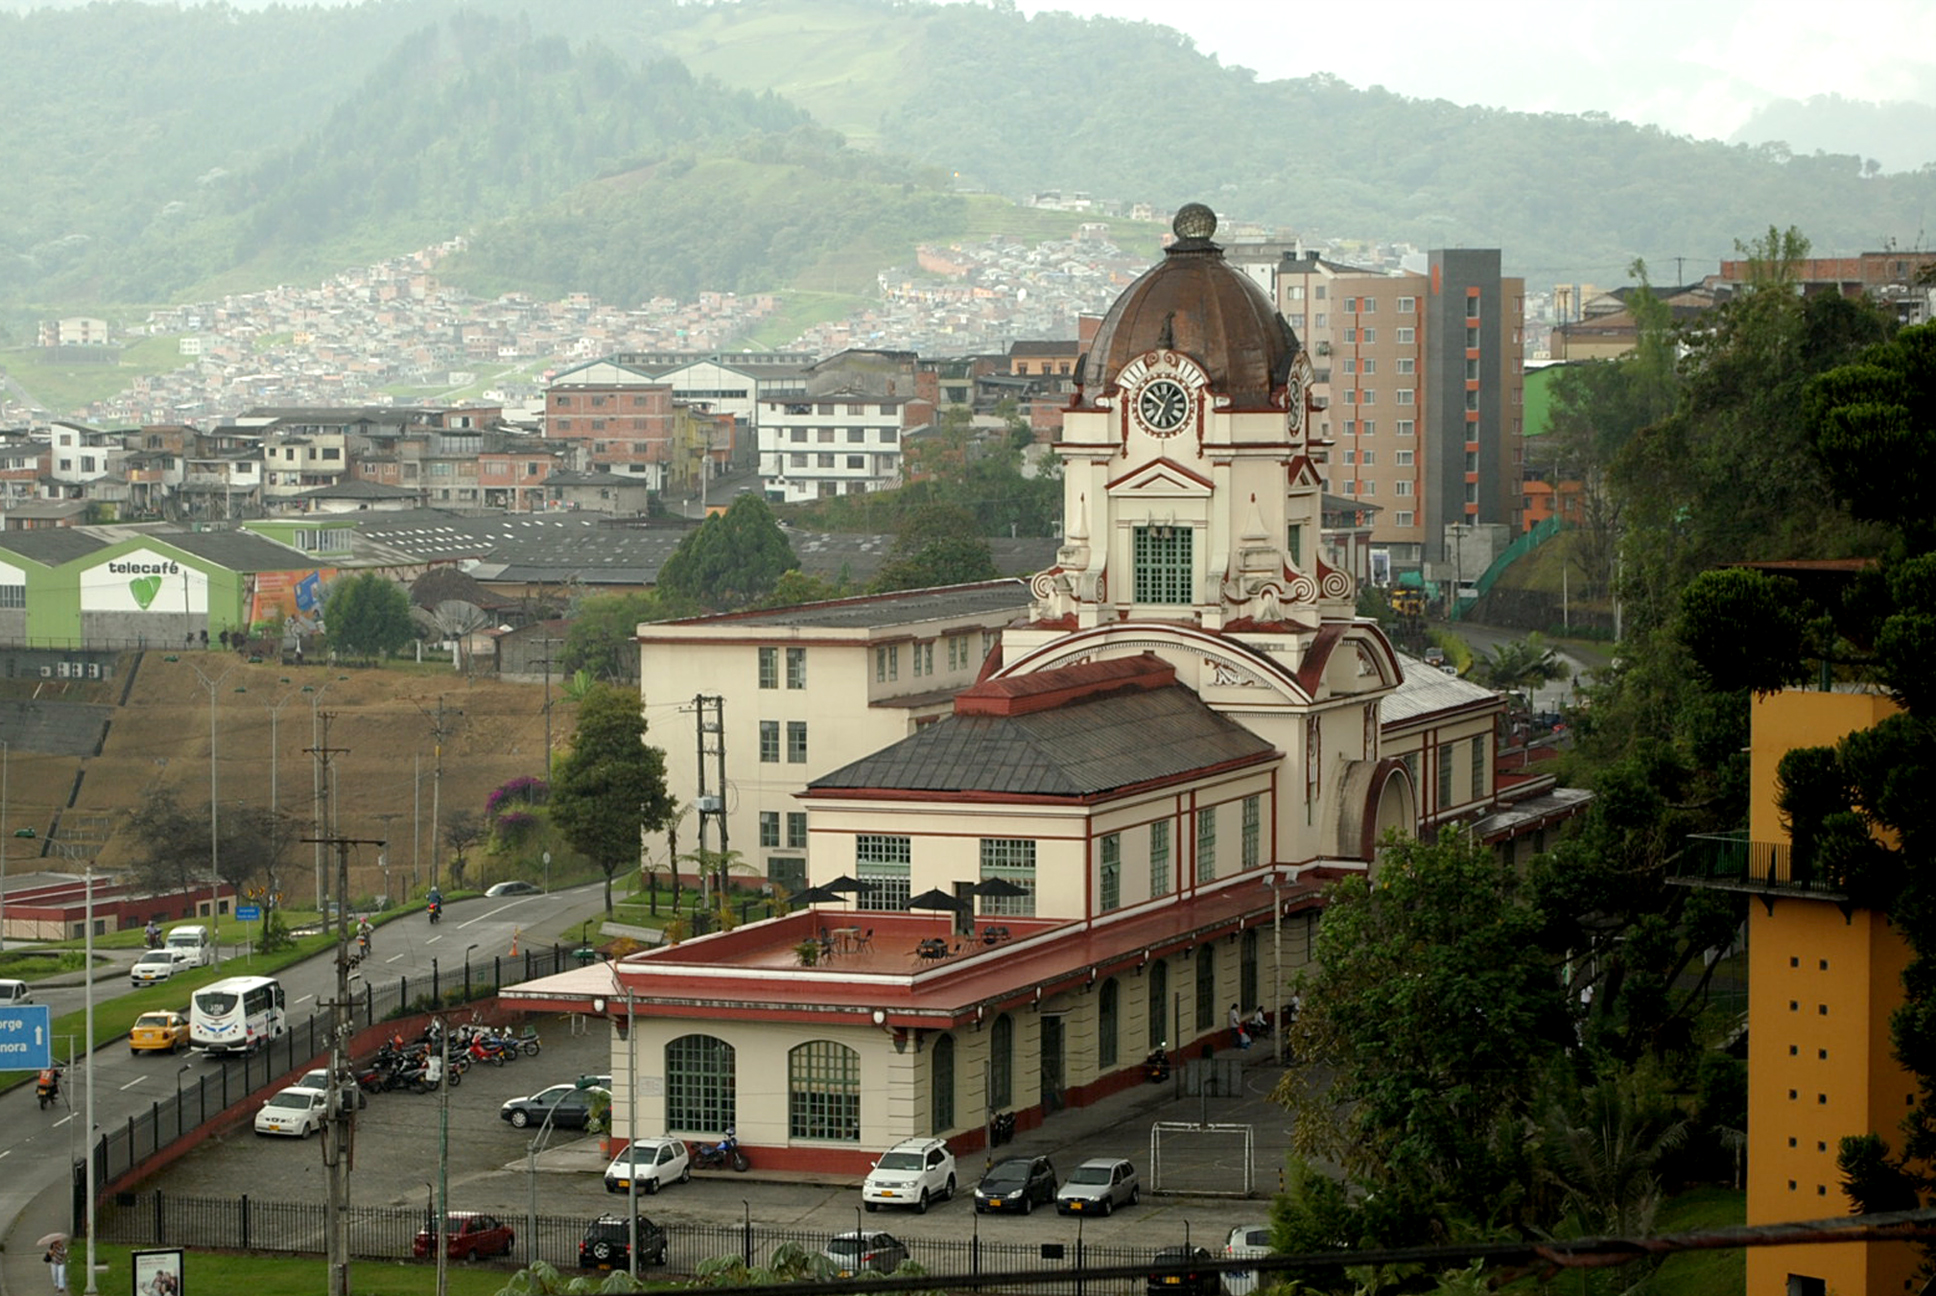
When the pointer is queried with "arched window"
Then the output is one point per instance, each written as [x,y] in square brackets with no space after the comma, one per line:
[1106,1023]
[823,1092]
[942,1059]
[1159,1004]
[1247,995]
[701,1088]
[1001,1063]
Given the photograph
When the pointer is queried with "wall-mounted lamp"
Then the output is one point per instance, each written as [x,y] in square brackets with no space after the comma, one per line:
[1092,977]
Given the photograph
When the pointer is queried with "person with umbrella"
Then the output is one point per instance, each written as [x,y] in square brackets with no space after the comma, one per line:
[56,1258]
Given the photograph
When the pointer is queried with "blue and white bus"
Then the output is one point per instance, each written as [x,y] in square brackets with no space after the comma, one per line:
[236,1015]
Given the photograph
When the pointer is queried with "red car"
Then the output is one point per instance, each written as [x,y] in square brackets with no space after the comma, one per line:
[468,1235]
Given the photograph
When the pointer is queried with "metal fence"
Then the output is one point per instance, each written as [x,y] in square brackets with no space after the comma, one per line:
[119,1151]
[391,1233]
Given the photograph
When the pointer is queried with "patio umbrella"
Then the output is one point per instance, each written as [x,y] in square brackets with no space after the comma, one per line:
[844,884]
[814,895]
[999,886]
[934,898]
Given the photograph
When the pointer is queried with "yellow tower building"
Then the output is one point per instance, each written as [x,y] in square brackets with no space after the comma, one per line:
[1824,976]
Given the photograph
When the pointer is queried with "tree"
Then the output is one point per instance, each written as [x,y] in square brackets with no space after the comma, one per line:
[1521,665]
[610,787]
[733,559]
[1858,813]
[602,638]
[1438,1010]
[368,616]
[939,544]
[173,843]
[463,830]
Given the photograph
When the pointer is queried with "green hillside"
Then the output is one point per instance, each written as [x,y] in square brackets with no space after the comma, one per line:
[206,150]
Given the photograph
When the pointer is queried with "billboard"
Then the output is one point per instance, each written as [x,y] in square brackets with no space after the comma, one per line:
[143,581]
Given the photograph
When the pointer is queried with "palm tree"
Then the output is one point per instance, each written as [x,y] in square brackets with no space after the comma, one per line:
[1521,666]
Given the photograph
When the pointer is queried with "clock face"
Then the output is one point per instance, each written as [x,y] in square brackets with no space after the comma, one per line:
[1163,405]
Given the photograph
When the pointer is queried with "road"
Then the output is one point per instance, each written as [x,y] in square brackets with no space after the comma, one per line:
[42,1144]
[1553,696]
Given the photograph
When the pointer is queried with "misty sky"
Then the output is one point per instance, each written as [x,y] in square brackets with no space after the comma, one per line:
[1694,67]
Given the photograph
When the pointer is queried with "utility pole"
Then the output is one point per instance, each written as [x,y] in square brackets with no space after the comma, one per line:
[325,824]
[710,711]
[439,732]
[546,659]
[339,1141]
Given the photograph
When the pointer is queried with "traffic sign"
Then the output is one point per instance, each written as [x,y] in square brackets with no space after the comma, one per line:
[26,1038]
[249,913]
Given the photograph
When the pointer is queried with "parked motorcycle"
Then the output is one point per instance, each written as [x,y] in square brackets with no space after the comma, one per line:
[1156,1067]
[47,1089]
[720,1155]
[1001,1129]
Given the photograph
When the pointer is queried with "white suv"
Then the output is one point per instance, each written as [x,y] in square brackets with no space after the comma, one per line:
[911,1173]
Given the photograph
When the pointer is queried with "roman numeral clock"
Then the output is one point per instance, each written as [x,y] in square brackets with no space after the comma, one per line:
[1163,392]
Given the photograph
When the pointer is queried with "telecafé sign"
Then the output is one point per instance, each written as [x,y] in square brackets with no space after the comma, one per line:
[144,581]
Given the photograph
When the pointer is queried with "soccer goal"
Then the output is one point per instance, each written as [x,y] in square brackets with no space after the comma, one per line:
[1208,1159]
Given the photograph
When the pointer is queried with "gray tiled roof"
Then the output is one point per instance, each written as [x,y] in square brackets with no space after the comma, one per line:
[239,551]
[1427,689]
[52,546]
[1088,747]
[906,606]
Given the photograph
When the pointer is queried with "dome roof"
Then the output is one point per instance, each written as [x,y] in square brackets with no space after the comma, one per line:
[1194,302]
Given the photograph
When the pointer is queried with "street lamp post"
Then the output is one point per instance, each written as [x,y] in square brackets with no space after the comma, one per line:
[214,822]
[6,753]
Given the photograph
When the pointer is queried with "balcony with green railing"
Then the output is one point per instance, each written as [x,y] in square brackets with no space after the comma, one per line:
[1731,862]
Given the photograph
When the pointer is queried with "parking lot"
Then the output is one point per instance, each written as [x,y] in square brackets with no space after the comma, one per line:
[503,1171]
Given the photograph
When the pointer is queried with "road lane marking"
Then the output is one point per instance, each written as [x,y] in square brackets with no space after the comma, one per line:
[433,940]
[393,958]
[63,1120]
[132,1083]
[305,998]
[500,909]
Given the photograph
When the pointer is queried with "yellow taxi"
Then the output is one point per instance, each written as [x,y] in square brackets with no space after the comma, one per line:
[163,1031]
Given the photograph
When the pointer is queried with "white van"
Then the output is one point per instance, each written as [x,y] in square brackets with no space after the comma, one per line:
[192,941]
[14,992]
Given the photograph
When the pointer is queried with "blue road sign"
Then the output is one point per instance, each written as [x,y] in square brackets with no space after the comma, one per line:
[249,913]
[26,1037]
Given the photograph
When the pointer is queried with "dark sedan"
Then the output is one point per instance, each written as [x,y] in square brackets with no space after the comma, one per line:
[567,1105]
[1016,1184]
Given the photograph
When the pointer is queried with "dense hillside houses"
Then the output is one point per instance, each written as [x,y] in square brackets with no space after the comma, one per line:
[1037,830]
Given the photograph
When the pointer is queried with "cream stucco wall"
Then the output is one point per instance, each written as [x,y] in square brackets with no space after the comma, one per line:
[846,706]
[897,1084]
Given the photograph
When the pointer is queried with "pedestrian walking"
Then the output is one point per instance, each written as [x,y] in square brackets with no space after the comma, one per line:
[1236,1028]
[56,1259]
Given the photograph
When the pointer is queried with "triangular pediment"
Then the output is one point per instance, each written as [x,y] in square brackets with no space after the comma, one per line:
[1304,473]
[1161,478]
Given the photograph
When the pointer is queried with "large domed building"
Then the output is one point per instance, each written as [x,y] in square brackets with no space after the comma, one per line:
[1094,842]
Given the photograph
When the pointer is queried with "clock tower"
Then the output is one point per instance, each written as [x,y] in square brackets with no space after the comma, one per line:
[1191,507]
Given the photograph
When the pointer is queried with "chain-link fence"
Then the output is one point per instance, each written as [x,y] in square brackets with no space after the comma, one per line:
[396,1233]
[120,1151]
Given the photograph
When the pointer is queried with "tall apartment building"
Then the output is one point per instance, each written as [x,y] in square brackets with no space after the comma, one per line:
[1422,380]
[840,443]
